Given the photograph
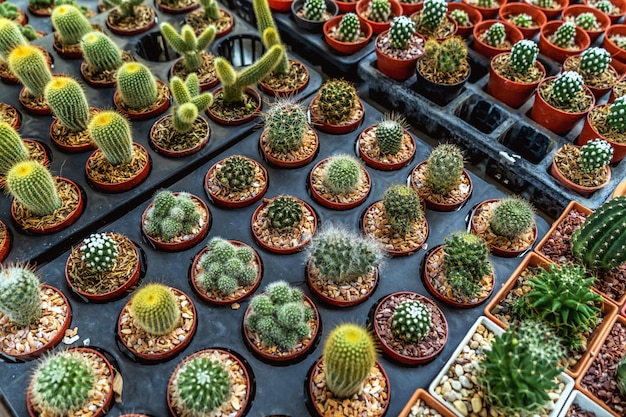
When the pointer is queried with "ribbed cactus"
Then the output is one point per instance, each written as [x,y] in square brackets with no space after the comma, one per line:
[234,83]
[604,6]
[411,321]
[595,155]
[564,35]
[33,186]
[83,9]
[28,32]
[10,37]
[68,102]
[210,10]
[402,208]
[70,24]
[616,119]
[126,8]
[349,355]
[99,252]
[620,375]
[342,174]
[269,37]
[495,35]
[136,85]
[401,30]
[460,17]
[444,168]
[155,309]
[187,44]
[389,134]
[600,242]
[487,3]
[433,13]
[189,101]
[511,216]
[12,148]
[379,10]
[8,11]
[236,173]
[565,88]
[349,28]
[586,21]
[111,133]
[100,52]
[522,20]
[465,263]
[200,386]
[227,266]
[20,298]
[523,55]
[545,4]
[286,123]
[314,9]
[30,66]
[62,383]
[171,215]
[284,213]
[337,99]
[449,55]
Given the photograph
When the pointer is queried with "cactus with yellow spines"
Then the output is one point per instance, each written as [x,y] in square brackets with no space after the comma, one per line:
[136,85]
[68,102]
[187,44]
[111,133]
[126,8]
[265,21]
[10,37]
[30,66]
[20,296]
[189,101]
[33,186]
[210,10]
[155,309]
[70,24]
[12,148]
[100,52]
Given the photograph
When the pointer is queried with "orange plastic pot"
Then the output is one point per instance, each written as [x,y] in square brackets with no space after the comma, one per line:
[556,52]
[398,69]
[602,18]
[589,132]
[346,47]
[614,17]
[513,35]
[487,12]
[514,9]
[510,92]
[566,182]
[552,14]
[378,27]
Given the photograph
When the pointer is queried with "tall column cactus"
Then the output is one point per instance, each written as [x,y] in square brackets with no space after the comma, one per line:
[523,56]
[70,24]
[189,101]
[111,133]
[68,102]
[187,44]
[136,85]
[30,66]
[12,148]
[32,185]
[20,297]
[10,37]
[155,309]
[449,55]
[264,21]
[100,52]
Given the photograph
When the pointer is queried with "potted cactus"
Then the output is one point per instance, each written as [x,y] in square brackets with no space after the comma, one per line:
[559,40]
[347,33]
[177,6]
[101,59]
[387,145]
[5,241]
[492,37]
[226,271]
[607,121]
[31,67]
[378,13]
[10,37]
[432,21]
[441,181]
[337,108]
[487,8]
[13,13]
[283,224]
[397,222]
[24,303]
[615,9]
[551,8]
[70,26]
[210,13]
[465,17]
[151,324]
[583,169]
[526,18]
[398,49]
[593,21]
[130,17]
[139,95]
[14,149]
[311,15]
[281,325]
[342,267]
[339,182]
[41,8]
[236,181]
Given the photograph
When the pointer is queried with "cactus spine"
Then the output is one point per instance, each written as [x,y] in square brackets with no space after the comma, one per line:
[33,186]
[12,148]
[379,10]
[30,66]
[389,134]
[187,44]
[210,10]
[444,168]
[286,123]
[349,28]
[111,133]
[402,208]
[523,56]
[314,9]
[99,252]
[595,155]
[227,266]
[460,17]
[511,217]
[495,35]
[271,37]
[342,174]
[400,32]
[616,119]
[411,321]
[565,88]
[586,21]
[10,37]
[70,24]
[433,13]
[449,55]
[564,35]
[155,309]
[20,297]
[595,61]
[337,100]
[465,263]
[236,173]
[100,52]
[136,85]
[68,102]
[189,101]
[171,215]
[284,213]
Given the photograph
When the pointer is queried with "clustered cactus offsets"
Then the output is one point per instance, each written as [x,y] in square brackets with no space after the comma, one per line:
[465,263]
[449,59]
[227,266]
[171,215]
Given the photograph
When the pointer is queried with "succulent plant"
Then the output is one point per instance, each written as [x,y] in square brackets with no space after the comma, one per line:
[68,102]
[155,309]
[28,32]
[604,6]
[411,321]
[595,155]
[400,31]
[81,7]
[210,10]
[620,375]
[616,119]
[511,216]
[111,133]
[379,10]
[337,100]
[200,386]
[432,13]
[12,148]
[314,9]
[522,20]
[20,298]
[136,85]
[349,28]
[545,4]
[284,213]
[586,21]
[523,55]
[595,61]
[286,123]
[402,208]
[8,11]
[32,185]
[99,252]
[100,52]
[10,37]
[389,134]
[349,355]
[236,173]
[487,3]
[495,35]
[444,168]
[342,174]
[70,24]
[465,263]
[30,66]
[564,35]
[565,88]
[449,55]
[125,8]
[270,37]
[189,101]
[460,17]
[227,266]
[171,215]
[187,44]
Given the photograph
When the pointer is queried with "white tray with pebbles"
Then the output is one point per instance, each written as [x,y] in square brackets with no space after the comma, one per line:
[585,403]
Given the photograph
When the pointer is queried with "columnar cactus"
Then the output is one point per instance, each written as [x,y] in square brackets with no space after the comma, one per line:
[389,134]
[411,321]
[12,148]
[30,66]
[189,101]
[342,174]
[136,85]
[379,10]
[20,298]
[460,17]
[227,266]
[595,61]
[286,123]
[511,216]
[604,6]
[401,30]
[444,168]
[68,102]
[171,215]
[495,35]
[270,37]
[564,35]
[284,213]
[349,355]
[210,10]
[33,186]
[111,133]
[100,52]
[523,55]
[126,8]
[99,252]
[595,155]
[314,9]
[565,88]
[402,208]
[586,21]
[620,375]
[337,100]
[200,386]
[187,44]
[10,37]
[465,263]
[70,24]
[616,119]
[236,173]
[449,55]
[349,28]
[433,13]
[155,309]
[600,241]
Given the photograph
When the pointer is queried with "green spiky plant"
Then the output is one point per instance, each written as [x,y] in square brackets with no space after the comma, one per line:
[411,321]
[487,3]
[125,8]
[444,168]
[136,85]
[447,57]
[284,213]
[100,52]
[342,174]
[349,28]
[314,9]
[33,186]
[616,119]
[68,102]
[111,133]
[28,32]
[522,20]
[171,215]
[620,375]
[236,173]
[564,35]
[511,216]
[604,6]
[460,17]
[565,88]
[210,10]
[342,256]
[586,21]
[8,11]
[523,56]
[155,309]
[402,208]
[12,148]
[189,101]
[495,35]
[379,10]
[594,61]
[269,33]
[41,4]
[337,100]
[10,37]
[400,31]
[70,24]
[465,263]
[595,155]
[433,13]
[348,357]
[279,316]
[545,4]
[286,124]
[83,9]
[227,266]
[99,252]
[188,44]
[30,66]
[20,298]
[389,134]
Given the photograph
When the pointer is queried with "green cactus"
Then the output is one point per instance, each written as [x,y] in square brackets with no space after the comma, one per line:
[136,85]
[595,155]
[28,32]
[433,13]
[8,11]
[564,35]
[286,123]
[349,28]
[600,241]
[444,168]
[604,6]
[348,357]
[171,215]
[379,10]
[337,100]
[522,20]
[520,368]
[83,9]
[10,37]
[68,102]
[30,66]
[389,134]
[70,24]
[465,263]
[616,119]
[154,308]
[210,10]
[314,9]
[511,216]
[125,8]
[449,55]
[187,44]
[62,383]
[523,56]
[402,208]
[545,4]
[620,375]
[227,266]
[565,88]
[342,174]
[20,298]
[189,101]
[586,21]
[236,173]
[100,52]
[495,35]
[460,17]
[33,186]
[401,30]
[234,83]
[111,133]
[271,37]
[411,321]
[489,4]
[284,213]
[99,252]
[200,386]
[12,148]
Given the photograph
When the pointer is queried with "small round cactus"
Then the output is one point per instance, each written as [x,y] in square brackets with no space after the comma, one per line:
[12,148]
[70,24]
[523,55]
[286,123]
[487,3]
[564,35]
[284,213]
[400,31]
[379,10]
[111,133]
[349,28]
[545,4]
[566,87]
[402,208]
[595,61]
[342,174]
[511,216]
[155,309]
[616,119]
[200,386]
[460,17]
[68,102]
[136,85]
[495,35]
[444,168]
[171,215]
[99,252]
[465,263]
[100,52]
[337,100]
[32,185]
[20,297]
[314,9]
[605,6]
[586,21]
[594,155]
[389,134]
[522,20]
[227,266]
[236,173]
[449,55]
[432,13]
[411,321]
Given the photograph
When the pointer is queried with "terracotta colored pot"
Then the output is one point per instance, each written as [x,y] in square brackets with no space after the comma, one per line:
[335,302]
[555,52]
[333,205]
[280,5]
[509,92]
[289,164]
[487,12]
[122,31]
[40,11]
[206,85]
[225,202]
[233,122]
[513,35]
[578,9]
[423,396]
[346,6]
[618,54]
[332,128]
[409,8]
[621,4]
[382,165]
[5,244]
[552,14]
[436,205]
[474,16]
[176,10]
[598,92]
[398,69]
[307,24]
[288,91]
[566,182]
[346,47]
[141,115]
[37,111]
[589,132]
[125,184]
[76,53]
[183,152]
[378,27]
[513,9]
[220,33]
[67,148]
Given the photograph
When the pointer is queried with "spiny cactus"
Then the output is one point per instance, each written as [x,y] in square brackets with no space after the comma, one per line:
[269,37]
[349,355]
[12,148]
[449,55]
[236,173]
[586,21]
[210,10]
[200,386]
[279,316]
[564,35]
[604,6]
[379,10]
[136,85]
[187,44]
[349,28]
[33,186]
[171,215]
[70,24]
[126,8]
[62,383]
[82,8]
[68,102]
[400,31]
[10,37]
[433,13]
[402,208]
[565,88]
[411,321]
[511,216]
[616,119]
[342,174]
[155,309]
[284,213]
[487,3]
[30,66]
[189,101]
[28,32]
[460,17]
[523,55]
[444,168]
[227,266]
[600,241]
[100,52]
[522,20]
[99,252]
[545,4]
[20,298]
[620,375]
[8,11]
[465,263]
[314,9]
[495,35]
[337,99]
[286,123]
[595,155]
[111,133]
[389,134]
